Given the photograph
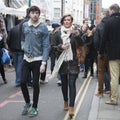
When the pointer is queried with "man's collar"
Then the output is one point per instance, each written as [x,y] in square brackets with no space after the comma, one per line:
[30,23]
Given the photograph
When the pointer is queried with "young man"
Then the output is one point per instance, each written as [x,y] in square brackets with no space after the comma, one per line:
[35,44]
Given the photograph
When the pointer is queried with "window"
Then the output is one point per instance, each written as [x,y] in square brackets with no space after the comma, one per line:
[56,12]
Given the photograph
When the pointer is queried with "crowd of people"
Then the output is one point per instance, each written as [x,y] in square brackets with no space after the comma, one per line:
[31,44]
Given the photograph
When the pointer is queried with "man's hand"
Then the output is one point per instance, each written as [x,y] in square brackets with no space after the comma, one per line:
[42,68]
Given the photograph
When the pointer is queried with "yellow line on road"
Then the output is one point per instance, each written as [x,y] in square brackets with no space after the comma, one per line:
[82,97]
[78,94]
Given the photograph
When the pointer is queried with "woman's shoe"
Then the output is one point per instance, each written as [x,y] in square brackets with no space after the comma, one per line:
[65,106]
[71,111]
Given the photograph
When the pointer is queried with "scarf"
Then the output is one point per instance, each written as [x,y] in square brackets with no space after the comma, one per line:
[66,55]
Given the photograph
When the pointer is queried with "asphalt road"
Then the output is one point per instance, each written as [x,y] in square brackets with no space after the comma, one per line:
[50,100]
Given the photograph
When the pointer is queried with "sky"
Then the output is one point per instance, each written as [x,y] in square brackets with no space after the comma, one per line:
[108,3]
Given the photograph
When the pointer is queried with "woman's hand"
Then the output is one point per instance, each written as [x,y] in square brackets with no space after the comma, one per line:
[65,46]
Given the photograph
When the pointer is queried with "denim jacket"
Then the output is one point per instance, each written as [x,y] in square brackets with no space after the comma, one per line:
[35,41]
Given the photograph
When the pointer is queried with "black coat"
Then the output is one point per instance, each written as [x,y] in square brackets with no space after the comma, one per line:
[111,37]
[14,39]
[70,67]
[99,33]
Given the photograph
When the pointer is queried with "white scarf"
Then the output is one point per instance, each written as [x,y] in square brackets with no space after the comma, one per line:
[65,34]
[67,54]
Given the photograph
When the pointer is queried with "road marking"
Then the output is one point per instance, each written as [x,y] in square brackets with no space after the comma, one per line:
[9,101]
[5,102]
[78,94]
[82,97]
[16,94]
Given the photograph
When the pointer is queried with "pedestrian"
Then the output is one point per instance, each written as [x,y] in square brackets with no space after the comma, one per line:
[87,37]
[35,44]
[83,30]
[67,64]
[2,45]
[14,45]
[103,65]
[53,55]
[111,44]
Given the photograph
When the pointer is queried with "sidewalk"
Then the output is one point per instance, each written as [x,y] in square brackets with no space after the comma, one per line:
[102,111]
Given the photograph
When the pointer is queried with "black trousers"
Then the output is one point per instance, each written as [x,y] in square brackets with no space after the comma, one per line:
[33,67]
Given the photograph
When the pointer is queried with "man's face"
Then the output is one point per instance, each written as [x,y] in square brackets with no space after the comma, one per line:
[110,12]
[67,22]
[34,15]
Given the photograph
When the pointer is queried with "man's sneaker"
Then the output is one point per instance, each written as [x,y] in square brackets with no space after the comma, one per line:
[26,109]
[43,82]
[33,112]
[59,83]
[5,81]
[84,76]
[106,91]
[111,102]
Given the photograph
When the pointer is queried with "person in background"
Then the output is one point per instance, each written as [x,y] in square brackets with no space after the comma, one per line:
[83,30]
[103,65]
[35,44]
[14,45]
[2,45]
[67,63]
[53,55]
[91,53]
[111,45]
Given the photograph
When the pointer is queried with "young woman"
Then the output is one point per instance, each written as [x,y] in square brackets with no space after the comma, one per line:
[64,43]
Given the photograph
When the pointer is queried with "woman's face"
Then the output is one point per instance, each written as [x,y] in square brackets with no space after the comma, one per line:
[67,22]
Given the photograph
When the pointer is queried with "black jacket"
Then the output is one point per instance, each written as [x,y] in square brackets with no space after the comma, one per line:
[70,67]
[111,37]
[14,39]
[99,33]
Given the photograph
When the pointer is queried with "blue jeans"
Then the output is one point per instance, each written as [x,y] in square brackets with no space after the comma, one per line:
[17,62]
[106,79]
[69,80]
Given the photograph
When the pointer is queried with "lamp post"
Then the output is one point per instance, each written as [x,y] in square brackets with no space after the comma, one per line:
[29,3]
[92,11]
[62,7]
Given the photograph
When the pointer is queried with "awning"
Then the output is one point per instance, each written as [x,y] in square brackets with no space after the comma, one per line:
[12,11]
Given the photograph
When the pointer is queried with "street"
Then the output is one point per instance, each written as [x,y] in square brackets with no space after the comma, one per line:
[50,100]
